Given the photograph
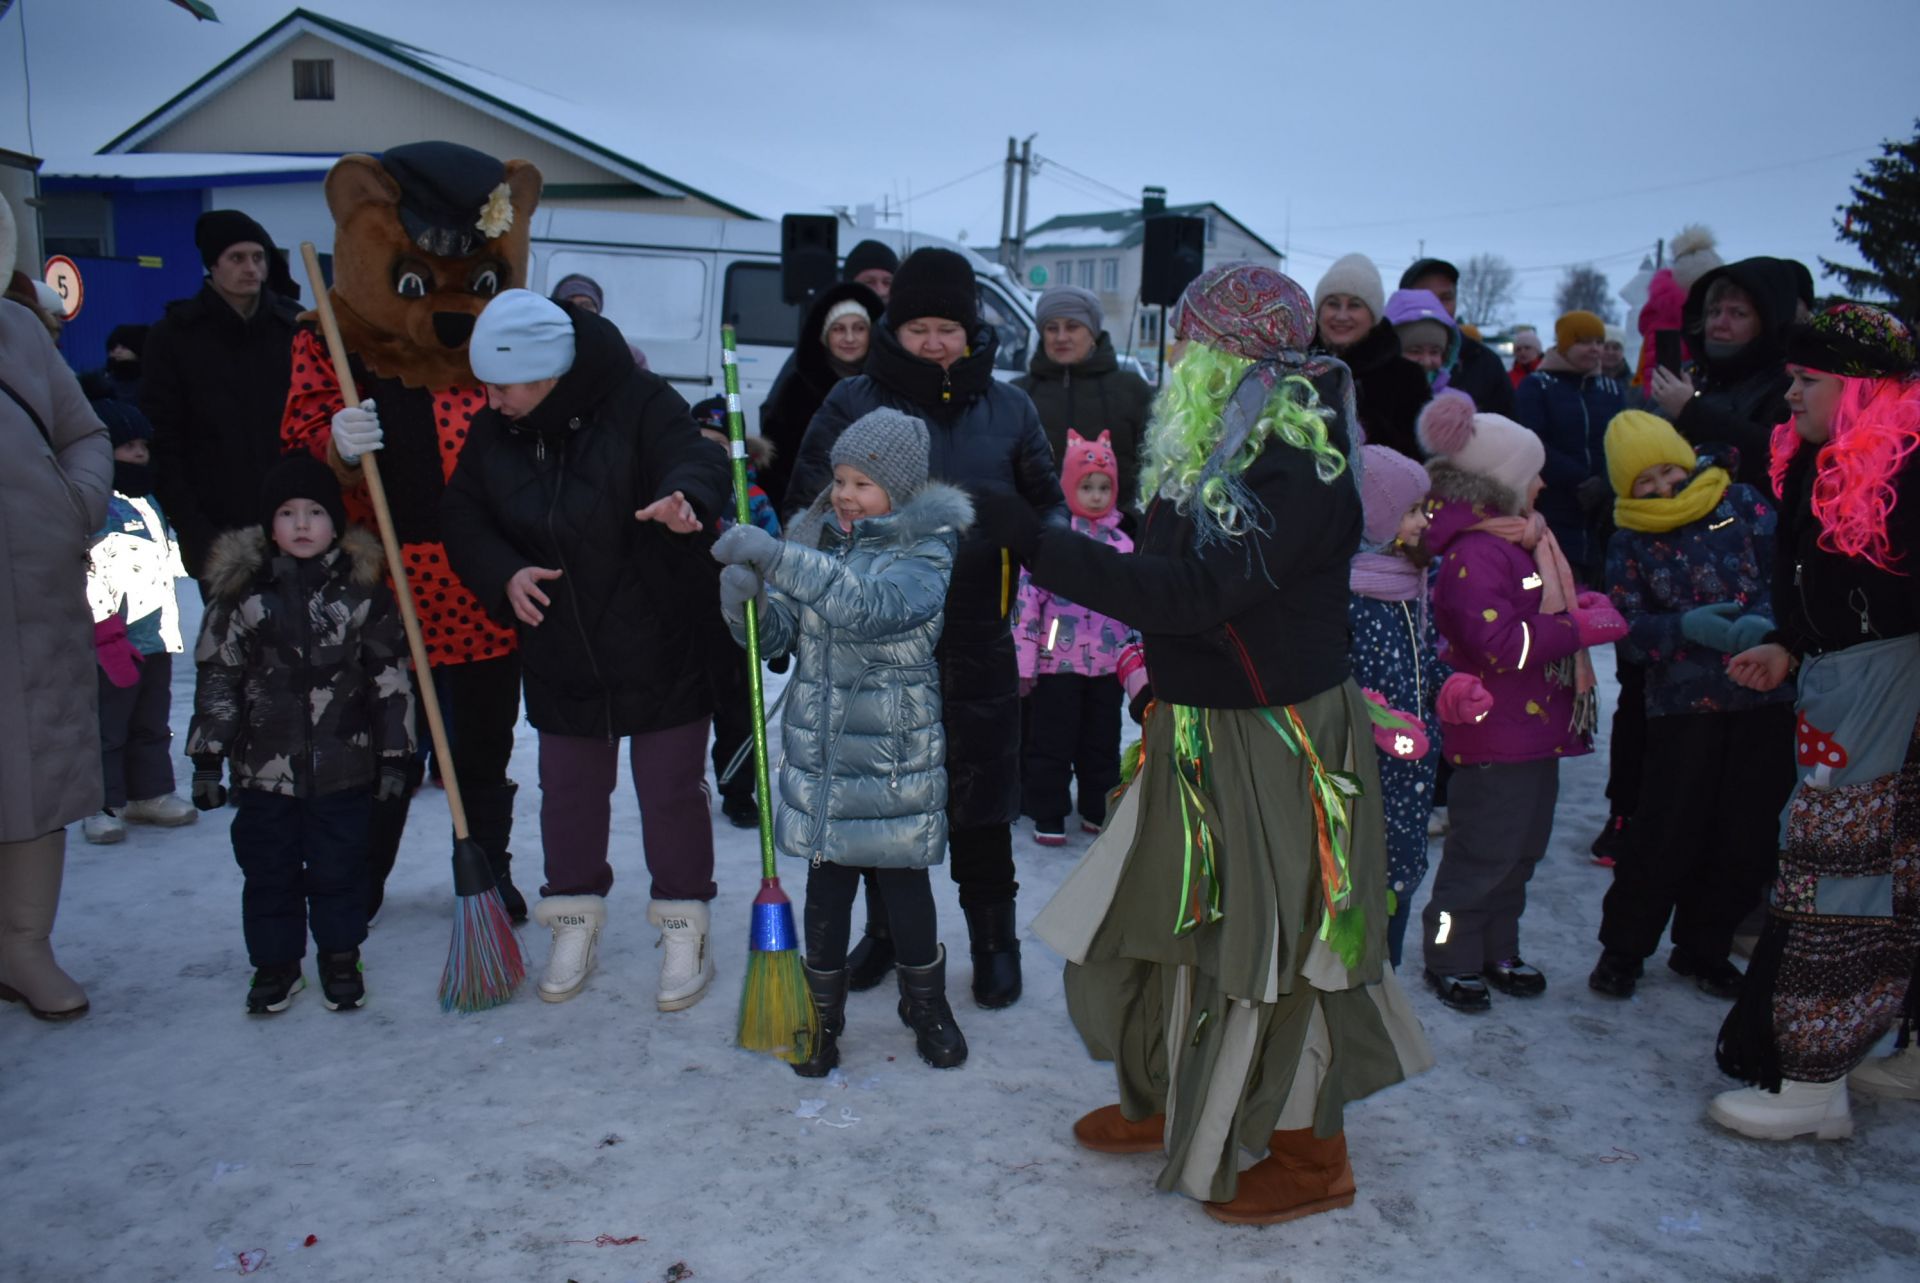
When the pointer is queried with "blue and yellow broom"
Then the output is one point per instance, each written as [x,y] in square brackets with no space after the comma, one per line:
[776,1008]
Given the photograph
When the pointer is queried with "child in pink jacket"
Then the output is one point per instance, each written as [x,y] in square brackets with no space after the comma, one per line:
[1067,656]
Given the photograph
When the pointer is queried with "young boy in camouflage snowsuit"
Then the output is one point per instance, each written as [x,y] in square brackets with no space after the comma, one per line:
[303,685]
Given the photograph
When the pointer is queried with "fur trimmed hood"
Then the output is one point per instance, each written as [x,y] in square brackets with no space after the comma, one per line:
[936,507]
[238,556]
[1465,499]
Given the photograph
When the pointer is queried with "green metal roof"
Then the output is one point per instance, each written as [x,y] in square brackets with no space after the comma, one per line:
[419,61]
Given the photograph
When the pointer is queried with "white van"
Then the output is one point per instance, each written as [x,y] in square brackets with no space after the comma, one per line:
[671,281]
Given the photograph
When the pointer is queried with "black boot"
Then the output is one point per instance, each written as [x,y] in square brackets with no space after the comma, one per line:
[924,1009]
[996,954]
[872,957]
[829,990]
[490,823]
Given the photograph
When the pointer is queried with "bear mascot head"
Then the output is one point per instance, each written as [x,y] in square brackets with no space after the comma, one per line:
[424,237]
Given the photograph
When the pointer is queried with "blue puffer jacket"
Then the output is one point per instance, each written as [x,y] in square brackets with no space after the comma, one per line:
[1569,413]
[863,779]
[1654,579]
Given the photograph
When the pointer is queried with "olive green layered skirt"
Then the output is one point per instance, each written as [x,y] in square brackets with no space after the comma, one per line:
[1216,997]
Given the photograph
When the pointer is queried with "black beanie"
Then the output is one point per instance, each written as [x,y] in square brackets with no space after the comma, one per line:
[934,282]
[866,256]
[1423,268]
[131,337]
[124,421]
[301,476]
[220,229]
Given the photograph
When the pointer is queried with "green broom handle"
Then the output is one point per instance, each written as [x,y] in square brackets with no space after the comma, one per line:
[737,438]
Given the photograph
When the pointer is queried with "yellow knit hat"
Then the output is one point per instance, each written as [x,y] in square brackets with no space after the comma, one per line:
[1637,441]
[1577,327]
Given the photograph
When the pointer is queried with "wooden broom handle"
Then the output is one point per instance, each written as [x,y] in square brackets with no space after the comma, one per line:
[396,566]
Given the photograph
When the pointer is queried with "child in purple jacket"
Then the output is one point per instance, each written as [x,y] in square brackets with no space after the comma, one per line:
[1521,696]
[1067,656]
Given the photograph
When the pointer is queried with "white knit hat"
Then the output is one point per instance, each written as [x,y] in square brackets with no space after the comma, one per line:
[521,338]
[1356,275]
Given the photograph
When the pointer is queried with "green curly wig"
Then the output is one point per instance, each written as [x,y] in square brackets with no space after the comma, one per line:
[1185,437]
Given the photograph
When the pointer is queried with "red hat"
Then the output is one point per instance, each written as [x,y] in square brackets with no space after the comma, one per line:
[1084,456]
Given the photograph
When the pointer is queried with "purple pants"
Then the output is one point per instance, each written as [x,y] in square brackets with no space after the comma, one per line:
[577,776]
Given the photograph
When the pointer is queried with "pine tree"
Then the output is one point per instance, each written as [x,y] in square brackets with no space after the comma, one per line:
[1882,223]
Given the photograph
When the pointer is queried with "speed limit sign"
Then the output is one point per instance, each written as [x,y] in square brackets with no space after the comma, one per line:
[63,275]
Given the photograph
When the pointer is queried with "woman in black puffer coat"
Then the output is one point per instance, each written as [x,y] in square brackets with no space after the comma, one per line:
[816,365]
[932,357]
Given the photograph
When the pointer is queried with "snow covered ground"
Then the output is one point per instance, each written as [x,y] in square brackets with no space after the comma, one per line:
[166,1133]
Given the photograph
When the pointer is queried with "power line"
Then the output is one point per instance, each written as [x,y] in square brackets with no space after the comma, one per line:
[957,181]
[1425,219]
[1040,162]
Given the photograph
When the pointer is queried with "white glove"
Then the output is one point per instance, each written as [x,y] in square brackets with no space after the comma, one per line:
[356,431]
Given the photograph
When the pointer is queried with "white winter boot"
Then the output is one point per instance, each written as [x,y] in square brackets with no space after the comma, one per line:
[169,810]
[687,969]
[1896,1077]
[1797,1109]
[576,921]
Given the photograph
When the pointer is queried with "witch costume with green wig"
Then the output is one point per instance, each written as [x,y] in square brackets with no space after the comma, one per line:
[1226,935]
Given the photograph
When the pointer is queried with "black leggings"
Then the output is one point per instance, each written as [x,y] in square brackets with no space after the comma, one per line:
[829,913]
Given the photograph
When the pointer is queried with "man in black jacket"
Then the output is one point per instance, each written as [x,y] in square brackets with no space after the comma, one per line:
[1480,374]
[215,372]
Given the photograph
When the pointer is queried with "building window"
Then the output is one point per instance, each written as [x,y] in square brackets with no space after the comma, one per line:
[1110,275]
[1086,273]
[313,78]
[79,225]
[1149,326]
[1209,218]
[1063,272]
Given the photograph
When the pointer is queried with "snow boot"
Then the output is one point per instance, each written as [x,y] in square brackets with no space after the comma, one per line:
[1050,832]
[1895,1077]
[490,823]
[29,897]
[1616,974]
[1515,977]
[340,982]
[688,968]
[1717,979]
[1108,1131]
[1300,1175]
[829,990]
[103,829]
[1797,1109]
[272,988]
[872,957]
[996,954]
[1463,992]
[576,922]
[924,1009]
[169,810]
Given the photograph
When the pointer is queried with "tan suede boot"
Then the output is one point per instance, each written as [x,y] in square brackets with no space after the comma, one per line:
[1300,1175]
[1107,1131]
[29,896]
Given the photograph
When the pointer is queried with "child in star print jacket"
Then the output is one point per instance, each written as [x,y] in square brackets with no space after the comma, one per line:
[1689,569]
[1067,656]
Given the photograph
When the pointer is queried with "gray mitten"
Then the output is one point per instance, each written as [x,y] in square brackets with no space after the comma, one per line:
[745,545]
[738,586]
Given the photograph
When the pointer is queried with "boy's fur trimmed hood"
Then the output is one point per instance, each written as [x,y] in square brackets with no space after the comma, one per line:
[1452,484]
[237,557]
[936,507]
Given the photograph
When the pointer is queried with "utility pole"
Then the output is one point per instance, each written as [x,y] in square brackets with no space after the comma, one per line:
[1006,209]
[1026,172]
[1660,253]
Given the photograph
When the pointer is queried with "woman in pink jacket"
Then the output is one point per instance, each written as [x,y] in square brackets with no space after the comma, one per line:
[1520,699]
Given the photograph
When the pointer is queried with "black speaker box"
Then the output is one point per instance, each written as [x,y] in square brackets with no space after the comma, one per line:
[809,255]
[1174,253]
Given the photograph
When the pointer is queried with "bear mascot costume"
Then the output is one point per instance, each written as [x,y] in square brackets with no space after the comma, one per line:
[424,237]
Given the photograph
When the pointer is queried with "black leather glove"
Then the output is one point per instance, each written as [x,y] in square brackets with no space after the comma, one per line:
[1595,494]
[390,784]
[209,794]
[1009,521]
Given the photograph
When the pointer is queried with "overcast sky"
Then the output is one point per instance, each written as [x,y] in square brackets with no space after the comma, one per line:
[1549,133]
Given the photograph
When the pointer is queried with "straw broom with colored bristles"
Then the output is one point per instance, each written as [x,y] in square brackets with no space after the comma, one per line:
[484,965]
[776,1008]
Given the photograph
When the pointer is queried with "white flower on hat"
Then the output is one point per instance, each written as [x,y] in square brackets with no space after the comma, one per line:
[496,216]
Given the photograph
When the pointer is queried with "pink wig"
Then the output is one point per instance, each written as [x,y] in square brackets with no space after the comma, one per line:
[1876,426]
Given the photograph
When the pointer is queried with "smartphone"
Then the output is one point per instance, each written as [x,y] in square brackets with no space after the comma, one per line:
[1666,350]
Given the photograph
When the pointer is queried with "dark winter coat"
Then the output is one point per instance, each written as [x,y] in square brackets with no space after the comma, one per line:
[1486,605]
[215,386]
[1482,375]
[1253,622]
[1825,601]
[1388,390]
[303,681]
[1569,412]
[863,778]
[1091,397]
[1741,397]
[984,436]
[800,387]
[621,650]
[1655,578]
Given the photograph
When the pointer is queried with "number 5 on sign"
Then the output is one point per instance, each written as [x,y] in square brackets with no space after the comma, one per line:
[63,274]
